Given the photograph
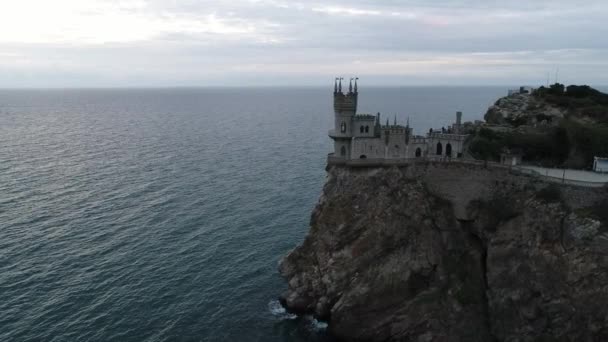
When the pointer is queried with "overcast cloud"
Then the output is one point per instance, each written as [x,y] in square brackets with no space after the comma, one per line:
[71,43]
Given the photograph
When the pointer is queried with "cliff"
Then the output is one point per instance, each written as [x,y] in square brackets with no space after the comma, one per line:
[550,105]
[523,109]
[452,252]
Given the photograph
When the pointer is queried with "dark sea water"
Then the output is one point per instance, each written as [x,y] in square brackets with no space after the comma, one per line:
[161,214]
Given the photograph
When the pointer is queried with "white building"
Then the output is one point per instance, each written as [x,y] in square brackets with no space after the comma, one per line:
[361,136]
[600,164]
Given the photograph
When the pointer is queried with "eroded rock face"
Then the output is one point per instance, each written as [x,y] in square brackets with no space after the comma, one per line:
[523,109]
[392,256]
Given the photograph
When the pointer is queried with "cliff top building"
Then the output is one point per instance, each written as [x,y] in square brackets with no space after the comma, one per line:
[362,136]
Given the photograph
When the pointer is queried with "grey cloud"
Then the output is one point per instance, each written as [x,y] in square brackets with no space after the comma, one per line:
[439,42]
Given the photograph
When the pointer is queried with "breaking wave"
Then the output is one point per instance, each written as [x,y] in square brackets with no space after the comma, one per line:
[277,310]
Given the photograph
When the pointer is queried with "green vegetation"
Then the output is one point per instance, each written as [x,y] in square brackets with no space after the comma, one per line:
[579,100]
[570,144]
[549,147]
[597,211]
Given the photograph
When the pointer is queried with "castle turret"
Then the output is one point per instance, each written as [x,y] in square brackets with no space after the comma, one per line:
[345,108]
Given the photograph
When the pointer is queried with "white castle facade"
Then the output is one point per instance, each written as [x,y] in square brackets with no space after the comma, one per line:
[361,136]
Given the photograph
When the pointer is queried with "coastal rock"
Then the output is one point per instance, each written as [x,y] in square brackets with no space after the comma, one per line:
[448,252]
[523,109]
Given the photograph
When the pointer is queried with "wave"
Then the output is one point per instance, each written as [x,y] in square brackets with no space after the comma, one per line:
[277,310]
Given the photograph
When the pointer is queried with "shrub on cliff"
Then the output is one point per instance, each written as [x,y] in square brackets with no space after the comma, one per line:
[581,101]
[549,148]
[586,140]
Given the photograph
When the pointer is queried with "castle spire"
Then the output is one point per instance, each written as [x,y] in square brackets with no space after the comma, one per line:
[408,122]
[336,86]
[387,124]
[350,86]
[356,78]
[340,84]
[395,119]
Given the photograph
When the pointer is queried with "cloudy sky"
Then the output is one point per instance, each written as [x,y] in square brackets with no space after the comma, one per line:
[101,43]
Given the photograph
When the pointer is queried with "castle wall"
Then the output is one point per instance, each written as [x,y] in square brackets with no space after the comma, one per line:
[368,147]
[455,141]
[366,122]
[396,147]
[417,144]
[339,144]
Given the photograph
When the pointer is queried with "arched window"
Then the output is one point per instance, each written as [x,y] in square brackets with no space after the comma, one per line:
[439,149]
[418,152]
[448,150]
[343,151]
[366,129]
[343,127]
[361,129]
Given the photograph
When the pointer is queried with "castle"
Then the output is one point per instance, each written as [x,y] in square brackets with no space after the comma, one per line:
[361,136]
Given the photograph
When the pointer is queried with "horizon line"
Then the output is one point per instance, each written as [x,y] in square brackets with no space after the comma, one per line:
[267,86]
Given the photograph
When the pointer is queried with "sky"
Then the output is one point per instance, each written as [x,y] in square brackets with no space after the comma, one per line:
[166,43]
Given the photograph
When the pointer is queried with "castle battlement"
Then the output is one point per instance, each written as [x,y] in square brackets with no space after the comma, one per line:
[361,136]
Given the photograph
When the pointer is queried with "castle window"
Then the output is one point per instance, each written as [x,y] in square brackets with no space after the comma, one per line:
[439,149]
[361,129]
[343,151]
[448,150]
[366,129]
[418,152]
[343,127]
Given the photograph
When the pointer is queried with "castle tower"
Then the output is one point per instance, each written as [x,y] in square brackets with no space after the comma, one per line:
[458,126]
[345,108]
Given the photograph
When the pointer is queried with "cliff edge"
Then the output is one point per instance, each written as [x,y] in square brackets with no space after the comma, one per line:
[452,252]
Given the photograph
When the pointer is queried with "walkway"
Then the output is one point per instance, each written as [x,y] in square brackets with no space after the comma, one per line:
[567,175]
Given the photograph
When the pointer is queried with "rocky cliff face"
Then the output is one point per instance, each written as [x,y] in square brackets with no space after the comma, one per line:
[523,109]
[449,252]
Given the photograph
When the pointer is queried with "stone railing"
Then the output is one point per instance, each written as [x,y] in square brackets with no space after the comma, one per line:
[449,136]
[559,180]
[381,162]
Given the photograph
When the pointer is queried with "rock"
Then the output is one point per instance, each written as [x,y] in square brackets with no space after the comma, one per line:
[448,252]
[523,109]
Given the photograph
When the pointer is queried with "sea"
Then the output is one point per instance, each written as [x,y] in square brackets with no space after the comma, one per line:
[161,214]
